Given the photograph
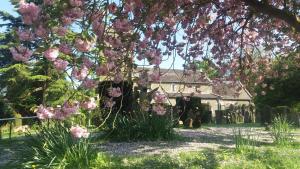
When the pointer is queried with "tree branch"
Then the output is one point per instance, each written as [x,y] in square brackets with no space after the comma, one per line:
[272,11]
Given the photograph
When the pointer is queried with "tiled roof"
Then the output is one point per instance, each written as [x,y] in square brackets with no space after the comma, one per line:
[204,96]
[229,90]
[179,76]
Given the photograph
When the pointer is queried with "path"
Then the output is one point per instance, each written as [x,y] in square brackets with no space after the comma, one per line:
[194,140]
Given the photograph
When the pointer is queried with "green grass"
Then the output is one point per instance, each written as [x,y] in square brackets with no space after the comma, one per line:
[270,156]
[266,157]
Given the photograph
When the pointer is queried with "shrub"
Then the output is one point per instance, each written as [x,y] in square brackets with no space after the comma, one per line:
[281,131]
[54,147]
[140,126]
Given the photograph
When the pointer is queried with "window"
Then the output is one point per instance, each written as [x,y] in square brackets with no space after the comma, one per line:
[173,87]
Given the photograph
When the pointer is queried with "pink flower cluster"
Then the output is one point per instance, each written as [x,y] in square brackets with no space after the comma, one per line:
[89,83]
[76,3]
[80,74]
[58,113]
[49,2]
[60,64]
[45,112]
[89,104]
[114,92]
[41,31]
[29,11]
[79,132]
[159,97]
[122,25]
[83,45]
[109,103]
[51,54]
[155,76]
[65,48]
[112,8]
[70,108]
[21,53]
[25,35]
[159,109]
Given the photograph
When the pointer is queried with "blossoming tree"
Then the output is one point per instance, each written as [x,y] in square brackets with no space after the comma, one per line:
[92,38]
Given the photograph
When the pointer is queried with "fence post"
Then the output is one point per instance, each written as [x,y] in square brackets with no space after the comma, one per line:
[10,128]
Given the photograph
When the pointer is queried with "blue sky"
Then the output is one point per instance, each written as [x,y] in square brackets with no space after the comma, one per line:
[7,6]
[167,63]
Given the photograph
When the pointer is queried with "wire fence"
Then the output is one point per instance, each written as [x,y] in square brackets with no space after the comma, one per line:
[13,127]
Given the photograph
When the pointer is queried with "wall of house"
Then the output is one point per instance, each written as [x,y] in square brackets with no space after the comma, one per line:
[226,103]
[187,88]
[244,95]
[213,105]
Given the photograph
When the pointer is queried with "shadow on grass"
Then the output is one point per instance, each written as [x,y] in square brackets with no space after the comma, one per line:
[12,152]
[205,159]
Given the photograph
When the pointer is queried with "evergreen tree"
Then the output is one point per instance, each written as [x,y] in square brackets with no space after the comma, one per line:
[25,86]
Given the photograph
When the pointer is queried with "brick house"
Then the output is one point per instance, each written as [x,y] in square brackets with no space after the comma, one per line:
[176,84]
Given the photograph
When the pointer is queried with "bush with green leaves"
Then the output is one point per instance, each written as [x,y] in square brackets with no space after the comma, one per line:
[55,147]
[281,131]
[140,126]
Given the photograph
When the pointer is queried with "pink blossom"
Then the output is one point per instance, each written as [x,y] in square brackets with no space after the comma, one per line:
[122,25]
[41,31]
[109,103]
[61,31]
[143,82]
[159,109]
[21,53]
[102,70]
[87,62]
[25,35]
[76,3]
[67,20]
[111,65]
[114,92]
[80,74]
[159,97]
[83,45]
[89,83]
[70,108]
[79,132]
[29,11]
[118,78]
[59,114]
[112,7]
[51,54]
[60,64]
[155,76]
[65,49]
[44,112]
[89,105]
[263,93]
[49,2]
[98,28]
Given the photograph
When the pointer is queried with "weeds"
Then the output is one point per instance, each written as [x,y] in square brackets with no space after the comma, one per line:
[281,131]
[244,140]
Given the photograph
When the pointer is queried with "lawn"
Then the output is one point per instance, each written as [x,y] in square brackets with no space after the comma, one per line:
[207,147]
[264,157]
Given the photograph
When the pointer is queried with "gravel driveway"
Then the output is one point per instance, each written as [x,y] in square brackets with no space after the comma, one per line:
[209,137]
